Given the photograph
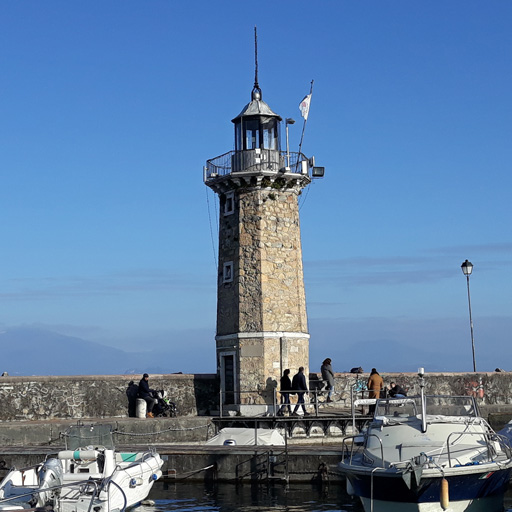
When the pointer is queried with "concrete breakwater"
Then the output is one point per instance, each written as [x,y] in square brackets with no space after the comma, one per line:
[37,410]
[200,463]
[180,442]
[104,396]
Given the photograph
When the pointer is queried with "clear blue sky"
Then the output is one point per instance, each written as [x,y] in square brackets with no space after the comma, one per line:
[109,110]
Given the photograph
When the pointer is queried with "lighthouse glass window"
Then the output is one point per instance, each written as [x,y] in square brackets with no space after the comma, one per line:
[229,204]
[269,126]
[252,134]
[227,274]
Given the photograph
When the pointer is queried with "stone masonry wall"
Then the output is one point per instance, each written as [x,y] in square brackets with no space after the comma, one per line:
[271,261]
[46,398]
[490,389]
[227,293]
[104,396]
[261,236]
[263,360]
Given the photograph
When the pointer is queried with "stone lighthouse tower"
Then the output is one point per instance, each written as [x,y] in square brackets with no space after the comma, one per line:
[261,307]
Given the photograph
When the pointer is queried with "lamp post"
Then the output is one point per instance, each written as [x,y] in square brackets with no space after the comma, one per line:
[467,268]
[289,120]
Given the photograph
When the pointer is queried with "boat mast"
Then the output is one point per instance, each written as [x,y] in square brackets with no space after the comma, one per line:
[421,374]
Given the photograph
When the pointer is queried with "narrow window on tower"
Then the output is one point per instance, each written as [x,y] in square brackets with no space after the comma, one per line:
[227,275]
[229,205]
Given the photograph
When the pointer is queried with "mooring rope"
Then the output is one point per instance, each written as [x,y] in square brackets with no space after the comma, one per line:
[190,473]
[207,425]
[183,429]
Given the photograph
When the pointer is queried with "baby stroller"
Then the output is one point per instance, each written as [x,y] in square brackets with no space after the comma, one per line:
[164,407]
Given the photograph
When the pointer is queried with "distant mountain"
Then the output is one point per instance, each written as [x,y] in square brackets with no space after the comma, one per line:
[440,345]
[32,351]
[37,351]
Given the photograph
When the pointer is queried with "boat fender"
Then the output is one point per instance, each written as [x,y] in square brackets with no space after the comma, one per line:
[136,481]
[350,488]
[155,476]
[78,455]
[445,495]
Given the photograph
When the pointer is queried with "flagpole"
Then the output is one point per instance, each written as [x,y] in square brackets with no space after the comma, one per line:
[305,120]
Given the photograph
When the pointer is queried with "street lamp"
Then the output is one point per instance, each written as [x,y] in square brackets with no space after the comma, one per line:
[467,268]
[289,120]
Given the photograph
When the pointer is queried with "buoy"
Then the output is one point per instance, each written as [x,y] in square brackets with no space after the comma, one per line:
[445,494]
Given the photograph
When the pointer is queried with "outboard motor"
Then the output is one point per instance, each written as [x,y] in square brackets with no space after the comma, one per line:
[50,475]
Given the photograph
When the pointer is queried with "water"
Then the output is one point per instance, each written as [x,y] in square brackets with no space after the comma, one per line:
[193,497]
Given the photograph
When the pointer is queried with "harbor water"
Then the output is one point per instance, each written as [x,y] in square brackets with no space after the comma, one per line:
[224,497]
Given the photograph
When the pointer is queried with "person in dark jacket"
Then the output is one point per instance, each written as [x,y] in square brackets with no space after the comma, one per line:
[286,386]
[396,391]
[132,392]
[300,386]
[328,377]
[145,393]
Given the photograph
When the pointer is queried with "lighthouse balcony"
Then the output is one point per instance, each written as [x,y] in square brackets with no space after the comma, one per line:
[255,161]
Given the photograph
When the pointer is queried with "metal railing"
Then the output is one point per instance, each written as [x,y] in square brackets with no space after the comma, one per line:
[254,160]
[350,447]
[265,465]
[89,489]
[489,437]
[267,402]
[349,453]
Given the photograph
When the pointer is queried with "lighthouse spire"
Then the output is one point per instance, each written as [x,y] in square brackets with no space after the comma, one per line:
[256,91]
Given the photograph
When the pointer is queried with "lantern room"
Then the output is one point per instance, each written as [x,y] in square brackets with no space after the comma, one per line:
[257,136]
[257,126]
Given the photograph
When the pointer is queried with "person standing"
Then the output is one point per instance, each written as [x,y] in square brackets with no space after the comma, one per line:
[145,393]
[286,387]
[328,376]
[300,386]
[375,385]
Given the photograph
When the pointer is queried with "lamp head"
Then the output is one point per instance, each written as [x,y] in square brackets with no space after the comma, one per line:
[289,120]
[421,372]
[467,268]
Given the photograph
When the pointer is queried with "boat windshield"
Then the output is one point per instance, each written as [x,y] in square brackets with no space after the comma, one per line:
[398,407]
[451,405]
[435,406]
[89,436]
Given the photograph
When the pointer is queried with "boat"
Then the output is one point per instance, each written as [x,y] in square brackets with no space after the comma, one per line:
[247,437]
[89,475]
[428,454]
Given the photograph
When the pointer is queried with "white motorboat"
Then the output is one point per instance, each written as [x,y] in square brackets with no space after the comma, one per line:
[428,454]
[90,475]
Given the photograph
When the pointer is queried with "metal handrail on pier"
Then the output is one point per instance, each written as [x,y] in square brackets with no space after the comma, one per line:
[259,409]
[266,466]
[267,401]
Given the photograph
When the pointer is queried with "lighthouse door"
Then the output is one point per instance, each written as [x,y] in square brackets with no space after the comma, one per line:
[227,367]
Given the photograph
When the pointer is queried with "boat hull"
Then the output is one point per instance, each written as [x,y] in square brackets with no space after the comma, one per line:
[490,504]
[469,489]
[126,488]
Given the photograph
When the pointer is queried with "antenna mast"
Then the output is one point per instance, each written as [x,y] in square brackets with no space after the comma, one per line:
[256,87]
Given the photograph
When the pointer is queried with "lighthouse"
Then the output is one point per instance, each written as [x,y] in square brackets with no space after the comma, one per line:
[262,324]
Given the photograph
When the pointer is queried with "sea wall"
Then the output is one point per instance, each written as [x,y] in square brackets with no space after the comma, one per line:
[99,396]
[490,389]
[105,396]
